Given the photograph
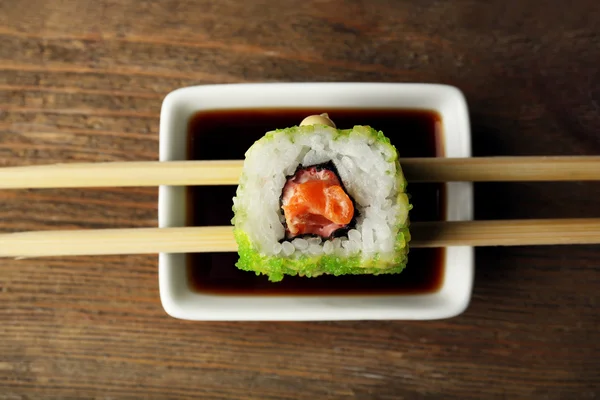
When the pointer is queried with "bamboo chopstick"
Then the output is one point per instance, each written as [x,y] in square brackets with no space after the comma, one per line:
[220,238]
[227,172]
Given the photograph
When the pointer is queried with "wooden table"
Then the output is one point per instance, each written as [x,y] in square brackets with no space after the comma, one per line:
[84,80]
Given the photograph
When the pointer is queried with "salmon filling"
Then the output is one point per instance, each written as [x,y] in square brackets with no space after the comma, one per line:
[314,202]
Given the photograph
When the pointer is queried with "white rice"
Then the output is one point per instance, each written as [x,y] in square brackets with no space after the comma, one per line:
[368,172]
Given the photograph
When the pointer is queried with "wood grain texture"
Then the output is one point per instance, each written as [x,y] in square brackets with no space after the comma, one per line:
[82,81]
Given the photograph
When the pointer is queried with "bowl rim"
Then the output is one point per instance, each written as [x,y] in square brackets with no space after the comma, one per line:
[186,101]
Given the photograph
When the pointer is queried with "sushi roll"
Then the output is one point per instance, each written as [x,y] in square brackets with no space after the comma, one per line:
[313,200]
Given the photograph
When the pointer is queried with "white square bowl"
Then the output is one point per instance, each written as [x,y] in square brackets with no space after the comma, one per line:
[451,299]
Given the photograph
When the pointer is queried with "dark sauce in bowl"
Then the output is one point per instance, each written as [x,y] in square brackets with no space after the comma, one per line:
[227,134]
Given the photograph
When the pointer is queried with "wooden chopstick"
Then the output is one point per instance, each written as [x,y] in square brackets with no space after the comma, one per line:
[220,238]
[227,172]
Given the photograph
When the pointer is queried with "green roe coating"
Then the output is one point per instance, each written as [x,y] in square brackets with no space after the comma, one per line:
[276,267]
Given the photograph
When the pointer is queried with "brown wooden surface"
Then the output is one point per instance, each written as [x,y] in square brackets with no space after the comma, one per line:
[83,81]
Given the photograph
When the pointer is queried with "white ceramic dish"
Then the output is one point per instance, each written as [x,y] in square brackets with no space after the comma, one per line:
[454,295]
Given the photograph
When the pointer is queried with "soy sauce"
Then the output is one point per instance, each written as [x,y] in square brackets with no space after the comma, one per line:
[227,134]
